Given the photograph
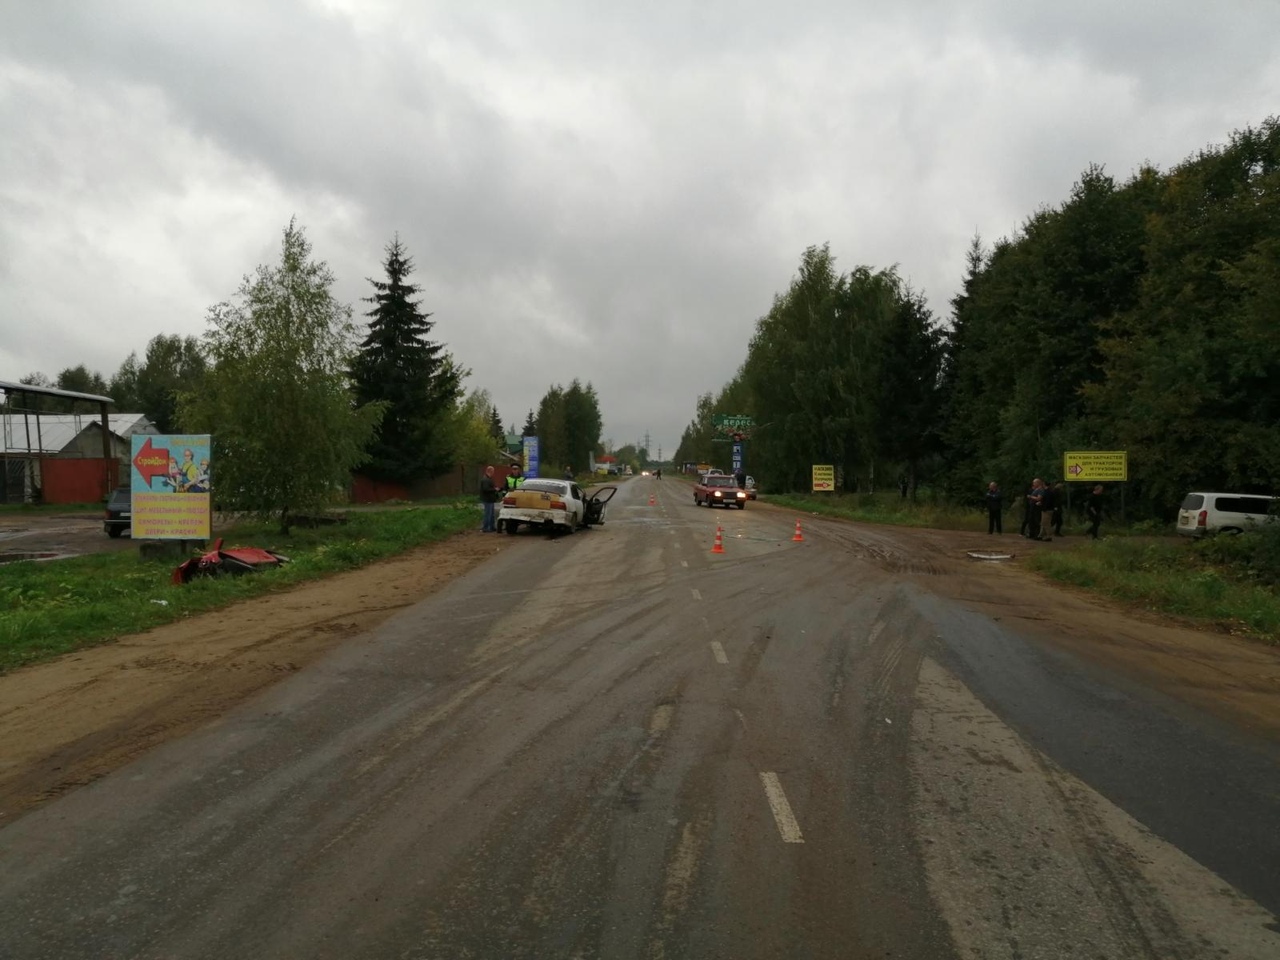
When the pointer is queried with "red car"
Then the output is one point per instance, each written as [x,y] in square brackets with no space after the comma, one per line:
[717,488]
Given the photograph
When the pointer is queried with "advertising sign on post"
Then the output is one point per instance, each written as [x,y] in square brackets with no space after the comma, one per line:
[1096,466]
[530,456]
[824,477]
[170,483]
[737,457]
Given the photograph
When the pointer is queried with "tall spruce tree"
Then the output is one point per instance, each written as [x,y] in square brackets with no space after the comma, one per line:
[397,364]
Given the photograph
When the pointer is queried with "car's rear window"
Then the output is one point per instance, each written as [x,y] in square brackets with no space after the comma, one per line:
[1193,501]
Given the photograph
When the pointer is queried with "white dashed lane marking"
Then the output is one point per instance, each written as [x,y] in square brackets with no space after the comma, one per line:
[782,815]
[718,650]
[696,594]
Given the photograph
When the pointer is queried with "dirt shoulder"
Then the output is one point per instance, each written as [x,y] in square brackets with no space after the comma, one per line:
[67,722]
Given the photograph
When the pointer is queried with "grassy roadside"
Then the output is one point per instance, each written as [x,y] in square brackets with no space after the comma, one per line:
[883,508]
[1170,576]
[47,609]
[9,509]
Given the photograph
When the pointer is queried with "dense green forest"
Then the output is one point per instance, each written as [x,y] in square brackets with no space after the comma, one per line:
[1140,316]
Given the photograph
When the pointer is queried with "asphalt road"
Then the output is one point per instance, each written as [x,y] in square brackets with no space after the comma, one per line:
[618,744]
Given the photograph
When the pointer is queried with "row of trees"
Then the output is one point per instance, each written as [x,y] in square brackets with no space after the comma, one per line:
[1141,315]
[297,397]
[568,426]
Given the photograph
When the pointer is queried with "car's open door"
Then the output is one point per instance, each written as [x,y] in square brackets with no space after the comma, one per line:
[595,505]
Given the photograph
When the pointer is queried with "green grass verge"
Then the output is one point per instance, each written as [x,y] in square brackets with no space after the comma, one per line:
[47,609]
[1168,576]
[9,508]
[883,508]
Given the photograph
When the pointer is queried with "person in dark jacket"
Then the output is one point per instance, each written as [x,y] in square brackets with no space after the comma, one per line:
[489,497]
[1059,502]
[1093,510]
[1048,498]
[1035,509]
[995,503]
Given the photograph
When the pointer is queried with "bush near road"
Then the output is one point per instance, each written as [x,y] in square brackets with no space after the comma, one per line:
[51,608]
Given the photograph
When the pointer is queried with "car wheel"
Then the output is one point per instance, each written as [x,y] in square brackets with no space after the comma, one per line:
[511,527]
[742,506]
[114,532]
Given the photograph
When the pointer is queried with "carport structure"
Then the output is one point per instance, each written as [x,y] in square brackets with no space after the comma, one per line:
[22,450]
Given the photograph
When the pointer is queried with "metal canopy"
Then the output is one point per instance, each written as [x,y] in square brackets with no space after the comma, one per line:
[8,387]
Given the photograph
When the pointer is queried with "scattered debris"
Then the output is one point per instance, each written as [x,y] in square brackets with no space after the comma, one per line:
[163,603]
[981,555]
[236,561]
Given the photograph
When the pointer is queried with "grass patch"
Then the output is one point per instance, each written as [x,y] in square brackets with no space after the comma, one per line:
[47,609]
[10,508]
[1170,576]
[884,508]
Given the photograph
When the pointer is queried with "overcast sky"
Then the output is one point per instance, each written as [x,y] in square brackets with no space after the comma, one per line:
[598,190]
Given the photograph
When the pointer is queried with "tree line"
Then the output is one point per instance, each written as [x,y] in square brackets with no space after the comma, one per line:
[297,396]
[1141,315]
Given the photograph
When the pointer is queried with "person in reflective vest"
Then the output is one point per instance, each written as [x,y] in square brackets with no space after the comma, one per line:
[514,479]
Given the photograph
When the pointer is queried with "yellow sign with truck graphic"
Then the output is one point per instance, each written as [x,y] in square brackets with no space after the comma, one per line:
[1095,466]
[824,477]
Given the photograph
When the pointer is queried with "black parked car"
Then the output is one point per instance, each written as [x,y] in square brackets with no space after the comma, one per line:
[119,511]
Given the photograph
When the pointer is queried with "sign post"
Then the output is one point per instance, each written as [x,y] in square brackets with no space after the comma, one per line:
[824,477]
[170,486]
[530,457]
[1096,466]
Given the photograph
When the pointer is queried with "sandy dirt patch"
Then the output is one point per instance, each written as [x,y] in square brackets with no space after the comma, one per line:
[67,722]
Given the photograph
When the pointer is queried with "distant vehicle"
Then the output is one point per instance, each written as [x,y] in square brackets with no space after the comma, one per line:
[556,506]
[717,488]
[751,488]
[644,473]
[1202,514]
[119,514]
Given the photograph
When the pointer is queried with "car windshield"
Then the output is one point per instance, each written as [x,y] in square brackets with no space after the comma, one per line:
[720,482]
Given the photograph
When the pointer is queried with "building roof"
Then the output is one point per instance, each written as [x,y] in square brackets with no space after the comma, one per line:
[9,386]
[52,432]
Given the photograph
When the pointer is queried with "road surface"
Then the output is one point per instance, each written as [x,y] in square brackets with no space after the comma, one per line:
[620,745]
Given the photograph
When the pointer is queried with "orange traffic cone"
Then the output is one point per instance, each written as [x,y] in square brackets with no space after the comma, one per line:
[718,546]
[799,537]
[653,501]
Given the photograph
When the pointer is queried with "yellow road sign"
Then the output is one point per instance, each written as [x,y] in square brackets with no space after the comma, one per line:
[824,477]
[1096,466]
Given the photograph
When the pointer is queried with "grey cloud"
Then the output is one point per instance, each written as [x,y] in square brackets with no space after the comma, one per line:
[612,192]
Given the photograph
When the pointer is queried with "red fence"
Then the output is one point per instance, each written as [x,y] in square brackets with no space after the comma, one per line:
[75,480]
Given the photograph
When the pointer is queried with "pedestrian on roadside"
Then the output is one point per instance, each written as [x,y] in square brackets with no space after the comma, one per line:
[903,486]
[1035,511]
[740,478]
[1047,501]
[995,503]
[1059,502]
[1093,510]
[489,497]
[568,474]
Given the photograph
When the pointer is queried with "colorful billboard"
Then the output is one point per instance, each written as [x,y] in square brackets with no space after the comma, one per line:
[530,456]
[171,484]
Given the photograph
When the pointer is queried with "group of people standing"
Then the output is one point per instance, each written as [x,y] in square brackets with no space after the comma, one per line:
[1042,510]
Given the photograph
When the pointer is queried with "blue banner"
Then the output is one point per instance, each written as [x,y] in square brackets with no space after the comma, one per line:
[737,458]
[530,456]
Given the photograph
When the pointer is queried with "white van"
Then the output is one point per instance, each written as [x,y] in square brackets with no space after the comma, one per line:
[1206,513]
